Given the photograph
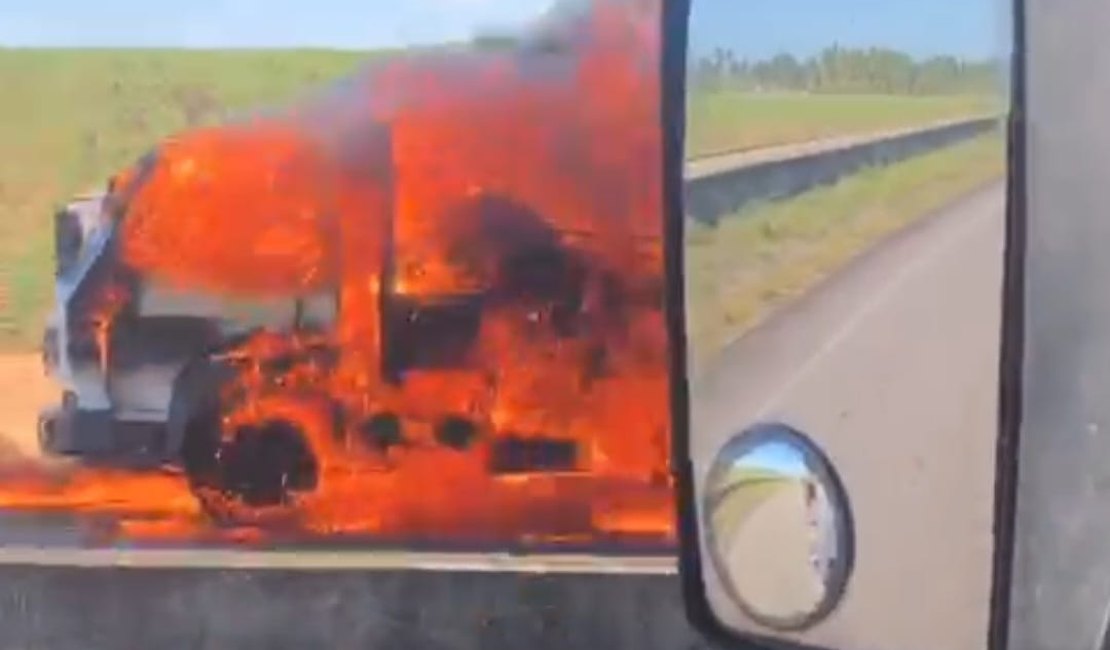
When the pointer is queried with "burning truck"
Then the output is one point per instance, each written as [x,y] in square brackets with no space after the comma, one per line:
[426,301]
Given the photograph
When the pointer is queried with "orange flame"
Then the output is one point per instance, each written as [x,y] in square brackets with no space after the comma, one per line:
[521,187]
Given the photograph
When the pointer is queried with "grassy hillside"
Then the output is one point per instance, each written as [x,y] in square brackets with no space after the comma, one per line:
[71,117]
[724,121]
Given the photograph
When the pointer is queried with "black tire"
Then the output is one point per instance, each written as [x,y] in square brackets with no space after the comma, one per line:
[248,480]
[195,402]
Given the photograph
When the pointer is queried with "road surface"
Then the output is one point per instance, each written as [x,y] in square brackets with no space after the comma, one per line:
[891,366]
[784,585]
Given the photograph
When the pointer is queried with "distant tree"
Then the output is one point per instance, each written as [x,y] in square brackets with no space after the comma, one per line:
[838,69]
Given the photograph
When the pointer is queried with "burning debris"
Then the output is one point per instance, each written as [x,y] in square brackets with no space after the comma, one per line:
[475,350]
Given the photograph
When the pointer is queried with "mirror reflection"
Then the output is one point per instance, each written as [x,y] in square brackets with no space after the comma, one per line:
[779,531]
[844,227]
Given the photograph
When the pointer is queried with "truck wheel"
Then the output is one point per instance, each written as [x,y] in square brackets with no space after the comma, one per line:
[252,478]
[249,476]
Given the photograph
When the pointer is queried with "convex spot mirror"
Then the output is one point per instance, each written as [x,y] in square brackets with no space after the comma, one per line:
[779,529]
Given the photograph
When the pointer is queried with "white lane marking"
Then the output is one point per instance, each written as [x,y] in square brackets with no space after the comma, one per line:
[877,299]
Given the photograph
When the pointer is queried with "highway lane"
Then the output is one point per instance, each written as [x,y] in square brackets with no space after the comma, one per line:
[785,579]
[891,365]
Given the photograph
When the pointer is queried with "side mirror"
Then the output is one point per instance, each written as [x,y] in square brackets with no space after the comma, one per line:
[845,238]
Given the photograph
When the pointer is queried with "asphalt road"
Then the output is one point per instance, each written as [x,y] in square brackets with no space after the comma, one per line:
[783,585]
[891,366]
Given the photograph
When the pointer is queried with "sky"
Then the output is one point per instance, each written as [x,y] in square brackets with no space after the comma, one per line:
[346,24]
[778,456]
[751,28]
[762,28]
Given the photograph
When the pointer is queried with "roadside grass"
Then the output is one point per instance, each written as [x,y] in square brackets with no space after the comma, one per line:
[750,263]
[70,118]
[743,498]
[732,121]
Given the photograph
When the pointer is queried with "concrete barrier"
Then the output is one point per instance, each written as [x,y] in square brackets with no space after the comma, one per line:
[720,185]
[56,608]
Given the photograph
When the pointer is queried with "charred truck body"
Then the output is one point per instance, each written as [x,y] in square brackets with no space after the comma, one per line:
[436,288]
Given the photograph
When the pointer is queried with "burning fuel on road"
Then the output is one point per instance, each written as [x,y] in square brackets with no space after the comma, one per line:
[422,307]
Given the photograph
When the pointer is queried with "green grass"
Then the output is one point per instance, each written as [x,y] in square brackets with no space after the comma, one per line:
[69,118]
[728,121]
[751,262]
[743,498]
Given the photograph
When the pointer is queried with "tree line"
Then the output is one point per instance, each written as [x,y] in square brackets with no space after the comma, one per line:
[846,70]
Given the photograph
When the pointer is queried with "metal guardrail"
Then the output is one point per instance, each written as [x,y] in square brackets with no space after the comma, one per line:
[723,184]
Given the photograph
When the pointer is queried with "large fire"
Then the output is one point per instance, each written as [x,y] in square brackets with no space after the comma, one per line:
[496,371]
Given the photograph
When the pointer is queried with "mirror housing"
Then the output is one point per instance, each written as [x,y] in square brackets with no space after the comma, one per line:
[844,361]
